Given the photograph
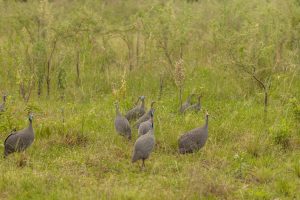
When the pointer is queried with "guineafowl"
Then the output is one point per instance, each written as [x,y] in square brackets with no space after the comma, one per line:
[145,126]
[195,107]
[145,117]
[144,146]
[19,140]
[122,125]
[186,104]
[2,106]
[137,111]
[194,139]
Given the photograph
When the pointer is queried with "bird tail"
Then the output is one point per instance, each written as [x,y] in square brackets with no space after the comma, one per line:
[134,158]
[5,154]
[182,150]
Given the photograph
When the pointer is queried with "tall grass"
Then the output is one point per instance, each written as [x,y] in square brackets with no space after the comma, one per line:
[69,61]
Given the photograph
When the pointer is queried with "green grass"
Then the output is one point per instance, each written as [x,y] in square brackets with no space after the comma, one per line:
[84,158]
[77,154]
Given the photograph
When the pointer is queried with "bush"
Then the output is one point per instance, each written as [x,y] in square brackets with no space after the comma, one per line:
[282,134]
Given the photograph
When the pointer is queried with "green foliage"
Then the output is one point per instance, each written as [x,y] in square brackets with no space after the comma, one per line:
[92,53]
[282,134]
[297,168]
[295,108]
[284,187]
[62,81]
[241,165]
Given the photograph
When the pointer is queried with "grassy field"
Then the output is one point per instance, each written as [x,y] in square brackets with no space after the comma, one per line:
[68,62]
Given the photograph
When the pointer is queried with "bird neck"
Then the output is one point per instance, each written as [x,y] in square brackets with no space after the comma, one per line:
[137,101]
[151,120]
[143,103]
[118,111]
[206,121]
[150,111]
[30,124]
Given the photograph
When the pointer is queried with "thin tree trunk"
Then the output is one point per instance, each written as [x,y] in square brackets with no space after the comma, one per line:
[167,54]
[180,96]
[130,47]
[48,79]
[161,84]
[78,68]
[263,86]
[130,52]
[40,83]
[30,87]
[22,90]
[137,48]
[181,51]
[266,99]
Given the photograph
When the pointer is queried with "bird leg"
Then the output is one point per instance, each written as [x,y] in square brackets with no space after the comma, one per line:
[143,165]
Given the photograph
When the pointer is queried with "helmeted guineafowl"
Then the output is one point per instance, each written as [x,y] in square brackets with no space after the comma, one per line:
[122,125]
[146,126]
[2,106]
[19,140]
[195,107]
[186,104]
[194,139]
[137,111]
[145,117]
[144,146]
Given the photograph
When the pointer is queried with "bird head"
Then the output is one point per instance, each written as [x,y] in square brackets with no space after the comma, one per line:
[117,108]
[30,117]
[152,104]
[142,97]
[206,113]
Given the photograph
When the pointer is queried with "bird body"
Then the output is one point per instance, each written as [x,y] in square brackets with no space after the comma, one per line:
[19,140]
[2,106]
[186,104]
[142,119]
[195,107]
[122,125]
[145,126]
[143,147]
[137,111]
[194,139]
[145,117]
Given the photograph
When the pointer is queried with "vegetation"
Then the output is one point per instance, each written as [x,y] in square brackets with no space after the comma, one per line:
[69,61]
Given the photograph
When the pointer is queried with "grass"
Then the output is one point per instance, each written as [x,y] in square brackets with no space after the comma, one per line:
[77,154]
[84,158]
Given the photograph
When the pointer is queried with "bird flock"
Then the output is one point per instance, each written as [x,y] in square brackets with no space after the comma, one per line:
[189,142]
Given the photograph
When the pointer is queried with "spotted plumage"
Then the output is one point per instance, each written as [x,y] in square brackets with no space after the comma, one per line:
[194,139]
[19,140]
[122,125]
